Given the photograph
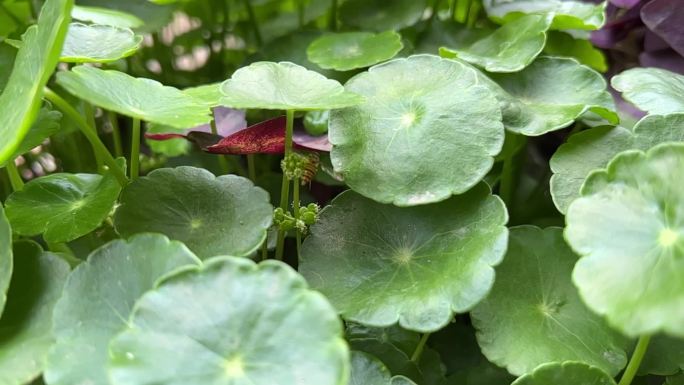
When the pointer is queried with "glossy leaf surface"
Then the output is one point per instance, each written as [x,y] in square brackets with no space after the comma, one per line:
[284,86]
[537,100]
[400,145]
[627,227]
[654,90]
[567,373]
[350,50]
[26,325]
[62,206]
[225,215]
[140,98]
[592,149]
[510,48]
[33,66]
[98,43]
[98,298]
[380,264]
[514,330]
[232,322]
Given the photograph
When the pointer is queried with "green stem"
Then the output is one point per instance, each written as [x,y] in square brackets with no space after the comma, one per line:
[461,11]
[264,249]
[473,13]
[90,134]
[289,128]
[300,13]
[90,118]
[214,130]
[116,134]
[253,21]
[333,16]
[14,176]
[135,149]
[295,208]
[415,357]
[435,11]
[224,164]
[285,187]
[251,167]
[506,182]
[635,361]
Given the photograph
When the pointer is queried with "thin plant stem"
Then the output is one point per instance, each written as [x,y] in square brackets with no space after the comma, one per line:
[224,164]
[90,118]
[116,134]
[214,130]
[635,361]
[14,176]
[415,357]
[285,187]
[506,182]
[473,13]
[435,11]
[452,9]
[135,149]
[333,16]
[295,208]
[90,134]
[300,12]
[253,22]
[264,249]
[251,167]
[461,12]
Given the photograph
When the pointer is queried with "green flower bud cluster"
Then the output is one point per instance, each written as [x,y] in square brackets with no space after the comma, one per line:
[294,165]
[285,221]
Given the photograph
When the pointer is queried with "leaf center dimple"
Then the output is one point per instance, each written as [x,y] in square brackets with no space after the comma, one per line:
[550,309]
[235,367]
[195,224]
[403,256]
[667,237]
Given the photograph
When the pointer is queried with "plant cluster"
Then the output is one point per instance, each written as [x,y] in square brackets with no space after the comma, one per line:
[324,192]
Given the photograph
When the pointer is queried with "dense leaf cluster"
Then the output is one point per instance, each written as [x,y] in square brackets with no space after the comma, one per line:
[324,192]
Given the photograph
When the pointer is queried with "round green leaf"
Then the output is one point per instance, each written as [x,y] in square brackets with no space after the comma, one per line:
[97,300]
[677,379]
[537,99]
[208,94]
[654,90]
[62,206]
[628,227]
[402,143]
[225,215]
[510,48]
[592,149]
[381,264]
[368,370]
[106,16]
[566,373]
[231,322]
[284,86]
[140,98]
[97,43]
[5,257]
[349,50]
[26,326]
[46,124]
[514,330]
[35,61]
[568,14]
[382,15]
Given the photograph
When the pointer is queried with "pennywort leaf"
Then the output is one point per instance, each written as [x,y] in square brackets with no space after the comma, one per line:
[400,144]
[98,43]
[98,299]
[350,50]
[381,265]
[654,90]
[33,66]
[6,257]
[244,319]
[626,227]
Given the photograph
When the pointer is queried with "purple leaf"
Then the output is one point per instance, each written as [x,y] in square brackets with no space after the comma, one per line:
[666,59]
[666,19]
